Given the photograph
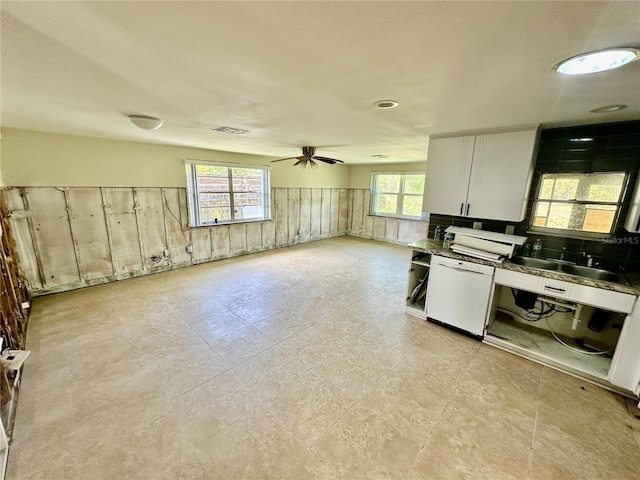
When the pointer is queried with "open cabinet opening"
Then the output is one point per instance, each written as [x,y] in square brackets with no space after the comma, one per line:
[559,332]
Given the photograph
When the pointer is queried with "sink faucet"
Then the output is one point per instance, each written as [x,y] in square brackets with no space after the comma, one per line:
[582,258]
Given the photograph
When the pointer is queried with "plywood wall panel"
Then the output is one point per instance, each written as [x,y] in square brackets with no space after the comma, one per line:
[379,228]
[316,212]
[305,214]
[334,215]
[357,213]
[391,230]
[22,235]
[53,236]
[150,217]
[89,230]
[293,215]
[368,220]
[325,214]
[177,238]
[126,254]
[268,234]
[238,238]
[202,244]
[254,236]
[281,203]
[410,231]
[343,210]
[220,241]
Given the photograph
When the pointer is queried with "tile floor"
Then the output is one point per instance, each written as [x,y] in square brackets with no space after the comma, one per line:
[296,364]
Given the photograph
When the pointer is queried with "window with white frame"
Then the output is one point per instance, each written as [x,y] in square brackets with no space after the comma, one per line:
[578,204]
[225,193]
[397,194]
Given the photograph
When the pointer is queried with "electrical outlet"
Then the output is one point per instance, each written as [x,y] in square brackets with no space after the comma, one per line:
[189,248]
[477,225]
[166,252]
[299,232]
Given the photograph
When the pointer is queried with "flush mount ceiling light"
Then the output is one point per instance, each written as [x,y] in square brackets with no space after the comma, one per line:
[599,61]
[386,104]
[144,122]
[608,108]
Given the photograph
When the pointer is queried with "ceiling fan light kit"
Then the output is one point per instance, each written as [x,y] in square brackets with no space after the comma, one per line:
[146,123]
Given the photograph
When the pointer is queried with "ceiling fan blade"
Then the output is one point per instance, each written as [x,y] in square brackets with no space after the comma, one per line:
[328,160]
[290,158]
[301,161]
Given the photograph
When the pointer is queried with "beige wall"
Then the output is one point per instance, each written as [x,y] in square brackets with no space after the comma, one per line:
[31,158]
[360,175]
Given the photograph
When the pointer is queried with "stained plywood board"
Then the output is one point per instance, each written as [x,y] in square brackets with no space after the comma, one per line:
[368,220]
[305,214]
[126,252]
[325,215]
[379,228]
[268,234]
[316,212]
[238,238]
[89,227]
[343,211]
[280,197]
[220,241]
[53,236]
[391,230]
[334,215]
[150,216]
[293,215]
[22,237]
[201,242]
[357,213]
[177,238]
[254,236]
[410,231]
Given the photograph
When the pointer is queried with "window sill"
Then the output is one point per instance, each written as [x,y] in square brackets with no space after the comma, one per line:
[229,223]
[398,217]
[571,234]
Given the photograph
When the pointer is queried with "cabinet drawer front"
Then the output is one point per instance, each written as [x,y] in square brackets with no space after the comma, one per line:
[597,297]
[556,288]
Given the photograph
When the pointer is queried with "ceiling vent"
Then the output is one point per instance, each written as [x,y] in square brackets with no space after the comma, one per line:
[231,130]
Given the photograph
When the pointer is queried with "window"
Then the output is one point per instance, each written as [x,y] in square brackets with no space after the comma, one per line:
[586,204]
[397,194]
[219,193]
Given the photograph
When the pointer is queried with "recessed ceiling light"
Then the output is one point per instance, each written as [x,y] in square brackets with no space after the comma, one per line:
[386,104]
[608,108]
[599,61]
[145,122]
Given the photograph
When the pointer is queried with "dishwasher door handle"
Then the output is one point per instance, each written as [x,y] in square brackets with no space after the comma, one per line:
[464,270]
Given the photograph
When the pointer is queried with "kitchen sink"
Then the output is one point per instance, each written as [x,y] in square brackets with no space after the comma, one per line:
[591,272]
[572,269]
[535,263]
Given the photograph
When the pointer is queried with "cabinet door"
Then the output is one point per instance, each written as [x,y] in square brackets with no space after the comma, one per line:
[501,175]
[447,178]
[625,366]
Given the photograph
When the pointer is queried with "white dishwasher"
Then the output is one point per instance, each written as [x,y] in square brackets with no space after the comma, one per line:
[459,293]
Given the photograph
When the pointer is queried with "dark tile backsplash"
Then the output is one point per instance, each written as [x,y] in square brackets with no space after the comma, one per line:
[616,147]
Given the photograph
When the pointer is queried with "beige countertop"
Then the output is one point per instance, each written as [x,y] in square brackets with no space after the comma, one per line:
[435,248]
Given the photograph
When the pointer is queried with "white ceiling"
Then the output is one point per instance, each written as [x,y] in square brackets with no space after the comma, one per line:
[308,73]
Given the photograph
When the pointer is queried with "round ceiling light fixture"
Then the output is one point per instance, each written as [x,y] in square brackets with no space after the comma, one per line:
[598,61]
[608,109]
[145,122]
[386,104]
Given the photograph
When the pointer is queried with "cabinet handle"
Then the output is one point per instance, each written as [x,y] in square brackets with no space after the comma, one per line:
[555,289]
[468,204]
[462,207]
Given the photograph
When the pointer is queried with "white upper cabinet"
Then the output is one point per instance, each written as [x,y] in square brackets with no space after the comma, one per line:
[480,176]
[632,224]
